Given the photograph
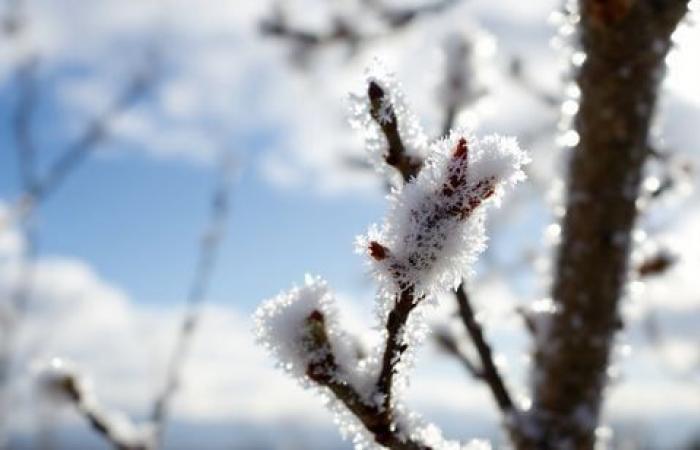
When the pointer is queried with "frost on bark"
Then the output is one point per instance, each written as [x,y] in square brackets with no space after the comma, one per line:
[625,42]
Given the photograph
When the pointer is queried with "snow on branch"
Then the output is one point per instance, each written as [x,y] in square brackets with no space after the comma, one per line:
[429,240]
[61,381]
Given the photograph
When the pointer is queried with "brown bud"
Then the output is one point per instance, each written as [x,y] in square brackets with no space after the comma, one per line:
[374,91]
[461,150]
[377,251]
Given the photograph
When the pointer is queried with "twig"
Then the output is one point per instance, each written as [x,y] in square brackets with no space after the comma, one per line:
[377,420]
[395,345]
[396,157]
[22,122]
[69,385]
[489,371]
[197,295]
[447,343]
[93,135]
[343,32]
[383,113]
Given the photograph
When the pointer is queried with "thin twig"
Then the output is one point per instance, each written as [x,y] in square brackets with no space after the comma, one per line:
[197,294]
[448,344]
[395,345]
[22,123]
[384,115]
[489,371]
[94,134]
[342,31]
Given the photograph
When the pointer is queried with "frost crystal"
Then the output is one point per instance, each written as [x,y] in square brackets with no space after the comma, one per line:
[286,325]
[392,109]
[434,230]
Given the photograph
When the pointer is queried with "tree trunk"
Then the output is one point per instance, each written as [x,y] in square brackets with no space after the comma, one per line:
[625,42]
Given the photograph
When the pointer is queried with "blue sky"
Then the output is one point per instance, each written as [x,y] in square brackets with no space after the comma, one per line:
[138,222]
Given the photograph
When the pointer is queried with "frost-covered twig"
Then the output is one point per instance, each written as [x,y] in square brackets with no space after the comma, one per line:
[426,244]
[394,138]
[62,382]
[382,112]
[208,251]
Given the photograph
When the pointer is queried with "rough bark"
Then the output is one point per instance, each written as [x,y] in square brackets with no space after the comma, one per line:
[626,42]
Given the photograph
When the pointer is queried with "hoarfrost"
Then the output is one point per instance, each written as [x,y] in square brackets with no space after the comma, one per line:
[434,230]
[393,106]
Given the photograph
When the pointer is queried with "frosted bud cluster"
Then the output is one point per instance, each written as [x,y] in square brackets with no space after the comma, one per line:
[299,328]
[435,229]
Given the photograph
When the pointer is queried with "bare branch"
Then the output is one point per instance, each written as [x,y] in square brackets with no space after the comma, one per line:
[22,123]
[489,371]
[342,31]
[208,251]
[94,134]
[448,343]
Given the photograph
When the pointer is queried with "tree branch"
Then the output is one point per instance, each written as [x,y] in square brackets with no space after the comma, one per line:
[208,251]
[342,31]
[326,372]
[489,371]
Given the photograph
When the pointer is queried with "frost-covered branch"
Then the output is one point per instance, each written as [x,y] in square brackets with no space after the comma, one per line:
[426,244]
[62,382]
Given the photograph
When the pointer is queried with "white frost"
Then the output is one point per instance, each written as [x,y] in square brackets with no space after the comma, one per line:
[412,135]
[281,327]
[434,230]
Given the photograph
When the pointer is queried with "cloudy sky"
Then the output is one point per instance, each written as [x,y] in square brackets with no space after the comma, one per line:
[118,241]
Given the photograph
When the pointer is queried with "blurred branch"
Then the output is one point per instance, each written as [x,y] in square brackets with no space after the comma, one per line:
[489,371]
[209,248]
[94,134]
[604,178]
[449,344]
[342,30]
[517,73]
[59,381]
[22,123]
